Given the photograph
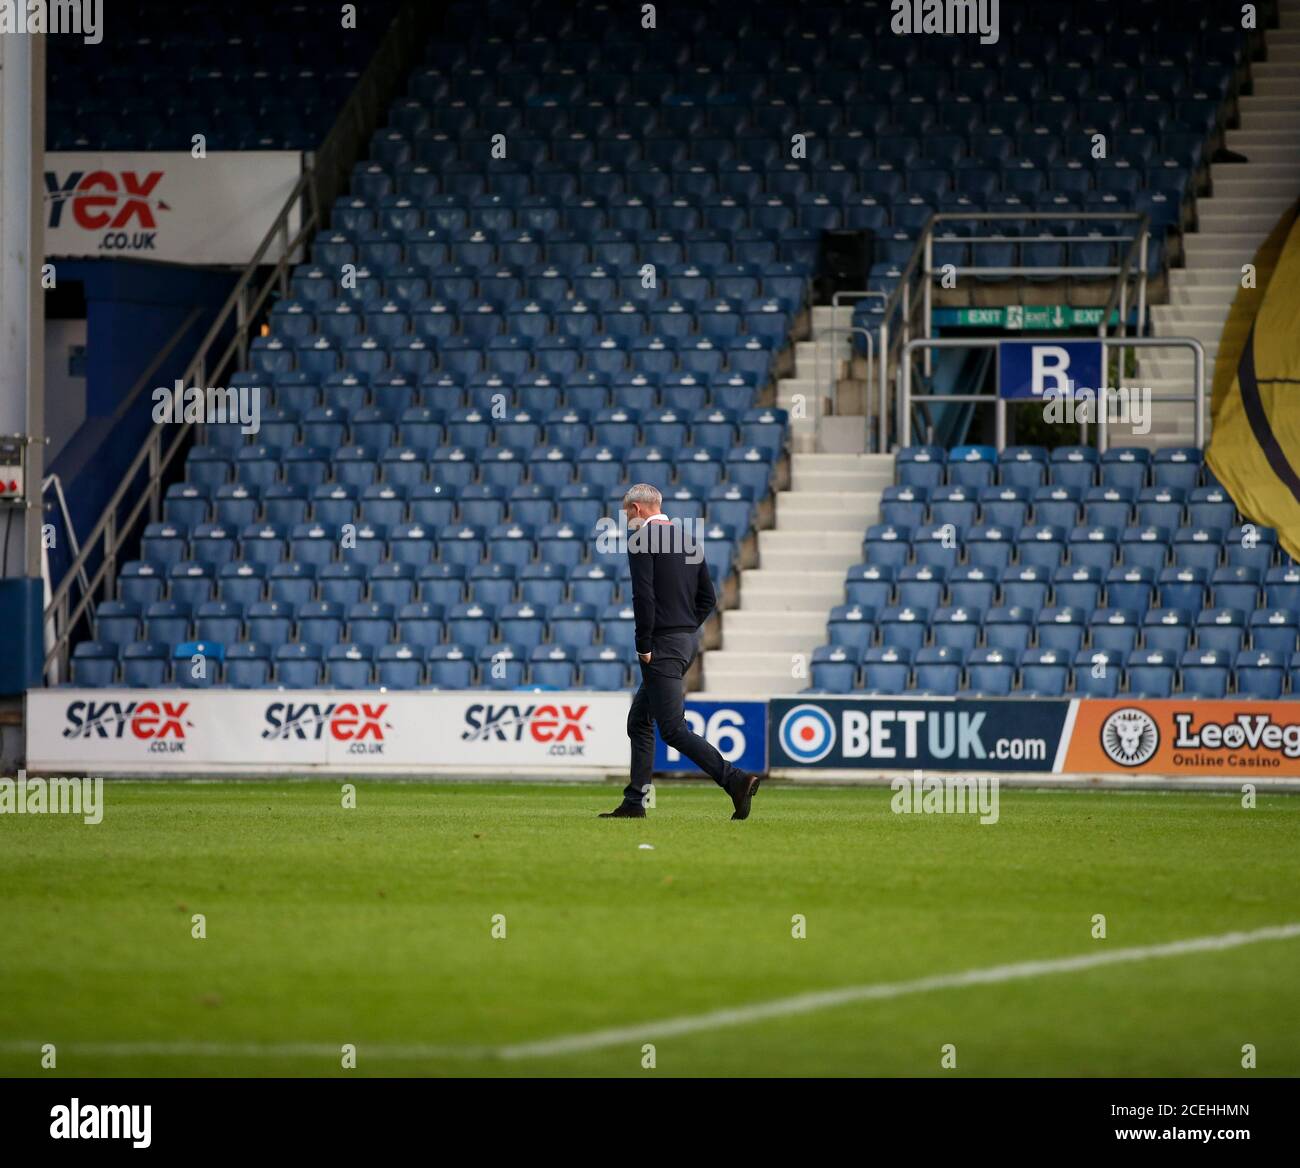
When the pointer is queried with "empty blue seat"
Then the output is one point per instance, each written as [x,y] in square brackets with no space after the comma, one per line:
[1221,629]
[869,585]
[1274,630]
[1110,504]
[197,664]
[1077,585]
[1151,673]
[1058,504]
[605,667]
[835,668]
[904,506]
[955,626]
[1022,466]
[851,625]
[1074,466]
[1167,629]
[1125,467]
[320,622]
[400,666]
[1114,629]
[1006,506]
[1130,587]
[299,666]
[1236,587]
[94,663]
[1098,673]
[887,545]
[1041,544]
[118,622]
[1061,629]
[1260,674]
[145,664]
[1282,587]
[349,666]
[938,669]
[886,669]
[921,466]
[1205,673]
[1210,507]
[903,626]
[1025,585]
[992,671]
[1044,673]
[1008,628]
[1198,547]
[971,466]
[1176,467]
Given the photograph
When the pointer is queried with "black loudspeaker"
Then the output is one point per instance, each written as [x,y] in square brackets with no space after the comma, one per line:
[846,259]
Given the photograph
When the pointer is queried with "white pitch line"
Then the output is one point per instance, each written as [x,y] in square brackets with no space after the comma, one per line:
[692,1023]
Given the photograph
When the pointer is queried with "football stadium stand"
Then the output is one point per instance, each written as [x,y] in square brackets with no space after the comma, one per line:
[581,254]
[265,76]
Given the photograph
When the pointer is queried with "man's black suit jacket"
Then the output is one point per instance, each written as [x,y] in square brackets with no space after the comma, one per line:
[672,591]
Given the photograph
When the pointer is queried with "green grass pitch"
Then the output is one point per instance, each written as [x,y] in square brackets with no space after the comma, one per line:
[374,926]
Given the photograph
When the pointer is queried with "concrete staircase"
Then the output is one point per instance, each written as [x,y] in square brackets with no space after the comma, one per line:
[1245,205]
[784,602]
[819,364]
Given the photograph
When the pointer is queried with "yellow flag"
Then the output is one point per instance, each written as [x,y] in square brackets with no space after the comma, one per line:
[1255,445]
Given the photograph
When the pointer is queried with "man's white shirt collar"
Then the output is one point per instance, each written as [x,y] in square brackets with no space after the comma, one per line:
[657,515]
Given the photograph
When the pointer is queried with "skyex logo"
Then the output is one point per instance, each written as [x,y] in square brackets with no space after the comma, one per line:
[561,729]
[162,724]
[807,733]
[1130,737]
[108,201]
[102,1121]
[359,724]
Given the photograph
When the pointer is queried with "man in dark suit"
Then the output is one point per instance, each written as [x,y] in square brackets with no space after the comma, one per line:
[672,596]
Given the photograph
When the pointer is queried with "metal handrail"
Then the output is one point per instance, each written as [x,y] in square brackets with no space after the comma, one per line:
[833,336]
[311,195]
[896,322]
[906,397]
[1120,293]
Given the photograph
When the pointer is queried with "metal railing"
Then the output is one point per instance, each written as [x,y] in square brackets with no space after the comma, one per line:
[267,272]
[907,397]
[831,340]
[913,295]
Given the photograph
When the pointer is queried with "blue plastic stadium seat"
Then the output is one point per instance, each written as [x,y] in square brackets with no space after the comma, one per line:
[95,663]
[886,669]
[1260,674]
[1151,673]
[1098,673]
[145,664]
[992,671]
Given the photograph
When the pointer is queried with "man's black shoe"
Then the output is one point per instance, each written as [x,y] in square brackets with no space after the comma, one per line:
[624,811]
[743,794]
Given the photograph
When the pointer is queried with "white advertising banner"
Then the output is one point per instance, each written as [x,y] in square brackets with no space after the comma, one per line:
[166,206]
[178,731]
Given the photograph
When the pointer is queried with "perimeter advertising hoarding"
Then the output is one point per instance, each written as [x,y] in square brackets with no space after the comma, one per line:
[935,734]
[736,729]
[1164,737]
[176,730]
[1178,737]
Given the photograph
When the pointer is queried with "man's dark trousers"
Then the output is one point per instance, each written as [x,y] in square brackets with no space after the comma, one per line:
[661,700]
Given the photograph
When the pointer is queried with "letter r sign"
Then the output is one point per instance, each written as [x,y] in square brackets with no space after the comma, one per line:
[1038,369]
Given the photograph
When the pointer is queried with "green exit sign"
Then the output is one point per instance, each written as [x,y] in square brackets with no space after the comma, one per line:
[1022,318]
